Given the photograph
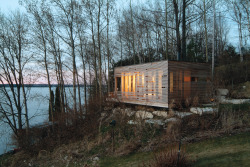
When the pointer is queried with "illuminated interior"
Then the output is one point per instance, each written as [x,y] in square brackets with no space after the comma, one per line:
[171,82]
[145,85]
[157,83]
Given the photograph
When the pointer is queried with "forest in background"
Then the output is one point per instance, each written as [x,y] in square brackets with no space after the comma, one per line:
[80,42]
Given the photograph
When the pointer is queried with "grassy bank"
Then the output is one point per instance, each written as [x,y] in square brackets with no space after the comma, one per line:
[230,150]
[206,141]
[222,151]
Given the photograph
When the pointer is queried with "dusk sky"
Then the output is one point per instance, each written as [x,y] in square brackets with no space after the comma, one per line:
[9,5]
[6,6]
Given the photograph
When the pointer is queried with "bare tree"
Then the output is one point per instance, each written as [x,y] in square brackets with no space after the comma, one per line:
[69,13]
[90,9]
[14,42]
[177,28]
[166,24]
[100,3]
[236,14]
[40,33]
[132,24]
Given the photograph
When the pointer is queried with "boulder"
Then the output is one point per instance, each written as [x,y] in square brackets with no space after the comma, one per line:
[144,115]
[204,110]
[155,121]
[171,120]
[179,114]
[126,111]
[236,101]
[129,112]
[132,122]
[182,114]
[222,92]
[161,113]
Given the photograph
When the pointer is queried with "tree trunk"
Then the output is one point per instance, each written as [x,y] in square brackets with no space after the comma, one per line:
[21,81]
[95,64]
[213,45]
[184,43]
[26,109]
[79,91]
[74,66]
[99,50]
[240,37]
[108,45]
[133,31]
[177,29]
[85,83]
[166,23]
[205,25]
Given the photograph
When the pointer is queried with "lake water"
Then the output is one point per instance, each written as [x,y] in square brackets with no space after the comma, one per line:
[38,105]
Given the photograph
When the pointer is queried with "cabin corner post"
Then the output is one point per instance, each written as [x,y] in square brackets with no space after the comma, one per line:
[115,89]
[167,82]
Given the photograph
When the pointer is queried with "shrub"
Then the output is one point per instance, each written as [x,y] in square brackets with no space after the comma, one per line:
[231,74]
[69,127]
[233,116]
[170,158]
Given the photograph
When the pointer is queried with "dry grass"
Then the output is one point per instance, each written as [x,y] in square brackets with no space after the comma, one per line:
[170,158]
[234,116]
[127,147]
[96,140]
[241,91]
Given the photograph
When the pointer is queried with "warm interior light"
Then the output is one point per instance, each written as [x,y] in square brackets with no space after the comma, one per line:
[129,83]
[187,79]
[126,83]
[154,82]
[142,80]
[171,82]
[160,83]
[133,83]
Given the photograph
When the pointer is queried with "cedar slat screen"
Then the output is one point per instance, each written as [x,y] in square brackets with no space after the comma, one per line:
[157,83]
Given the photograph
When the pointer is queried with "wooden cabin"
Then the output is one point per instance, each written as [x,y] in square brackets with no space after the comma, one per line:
[161,83]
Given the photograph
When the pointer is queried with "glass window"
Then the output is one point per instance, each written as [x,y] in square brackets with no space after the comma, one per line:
[118,83]
[187,79]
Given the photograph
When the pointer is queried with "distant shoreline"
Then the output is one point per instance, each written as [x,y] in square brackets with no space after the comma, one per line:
[40,85]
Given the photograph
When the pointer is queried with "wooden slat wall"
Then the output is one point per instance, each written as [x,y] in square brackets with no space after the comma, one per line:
[183,87]
[149,84]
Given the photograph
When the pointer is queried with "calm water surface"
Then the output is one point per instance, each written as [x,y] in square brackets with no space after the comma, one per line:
[38,105]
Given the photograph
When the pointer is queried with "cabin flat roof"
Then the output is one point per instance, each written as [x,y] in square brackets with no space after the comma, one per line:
[174,61]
